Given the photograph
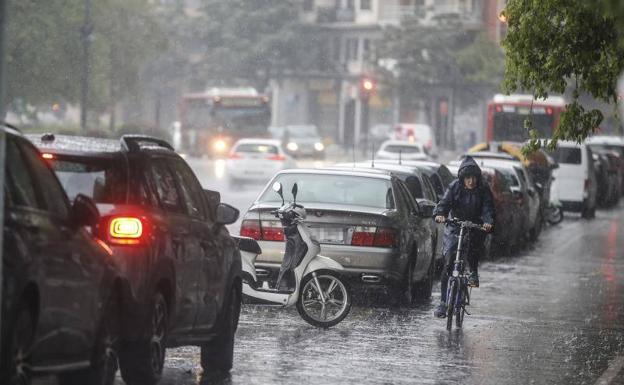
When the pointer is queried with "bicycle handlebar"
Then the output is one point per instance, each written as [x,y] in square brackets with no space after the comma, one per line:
[465,224]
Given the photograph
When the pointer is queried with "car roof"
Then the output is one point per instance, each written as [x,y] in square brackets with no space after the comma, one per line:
[374,173]
[273,142]
[405,143]
[411,162]
[385,167]
[86,145]
[499,163]
[489,154]
[606,139]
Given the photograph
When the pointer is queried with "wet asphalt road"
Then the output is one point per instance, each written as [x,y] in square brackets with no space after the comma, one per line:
[552,314]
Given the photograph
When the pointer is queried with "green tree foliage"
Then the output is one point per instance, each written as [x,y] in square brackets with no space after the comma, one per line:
[251,40]
[44,49]
[551,44]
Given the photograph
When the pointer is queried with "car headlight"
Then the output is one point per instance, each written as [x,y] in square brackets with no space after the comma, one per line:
[292,146]
[219,145]
[319,146]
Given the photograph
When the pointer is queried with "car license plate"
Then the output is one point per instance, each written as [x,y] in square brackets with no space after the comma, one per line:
[329,235]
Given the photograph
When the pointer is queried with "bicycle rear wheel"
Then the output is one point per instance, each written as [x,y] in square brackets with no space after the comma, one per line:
[450,307]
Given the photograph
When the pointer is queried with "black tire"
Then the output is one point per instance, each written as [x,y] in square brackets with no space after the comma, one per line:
[459,312]
[422,290]
[346,299]
[534,233]
[18,342]
[408,291]
[555,215]
[217,356]
[142,362]
[104,363]
[450,306]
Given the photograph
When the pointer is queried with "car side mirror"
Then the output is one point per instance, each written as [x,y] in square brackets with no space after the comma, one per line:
[226,214]
[213,198]
[426,211]
[84,212]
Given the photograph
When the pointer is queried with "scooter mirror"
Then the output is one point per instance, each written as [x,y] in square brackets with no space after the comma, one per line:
[295,188]
[277,187]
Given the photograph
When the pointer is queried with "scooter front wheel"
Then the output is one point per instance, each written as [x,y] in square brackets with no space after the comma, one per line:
[555,215]
[324,300]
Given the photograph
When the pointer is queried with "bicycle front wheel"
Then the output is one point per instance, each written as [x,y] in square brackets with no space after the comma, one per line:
[459,309]
[450,307]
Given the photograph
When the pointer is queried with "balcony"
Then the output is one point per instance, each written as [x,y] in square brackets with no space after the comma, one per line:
[394,13]
[335,15]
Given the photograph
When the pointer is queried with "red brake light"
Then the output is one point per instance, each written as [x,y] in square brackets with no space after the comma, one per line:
[363,236]
[276,157]
[499,109]
[549,111]
[251,229]
[384,237]
[235,155]
[125,230]
[47,156]
[272,231]
[587,184]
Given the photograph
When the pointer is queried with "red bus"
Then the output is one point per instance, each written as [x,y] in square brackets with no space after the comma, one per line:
[506,115]
[211,121]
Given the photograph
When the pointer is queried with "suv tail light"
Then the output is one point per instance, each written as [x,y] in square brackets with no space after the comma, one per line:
[125,230]
[373,236]
[235,155]
[587,184]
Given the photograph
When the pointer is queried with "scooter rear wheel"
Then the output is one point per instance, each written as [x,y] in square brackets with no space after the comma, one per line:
[336,295]
[555,215]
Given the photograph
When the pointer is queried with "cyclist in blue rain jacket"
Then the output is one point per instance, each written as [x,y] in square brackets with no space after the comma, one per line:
[467,198]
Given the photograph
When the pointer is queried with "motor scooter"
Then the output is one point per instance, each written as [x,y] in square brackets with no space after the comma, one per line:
[306,279]
[554,212]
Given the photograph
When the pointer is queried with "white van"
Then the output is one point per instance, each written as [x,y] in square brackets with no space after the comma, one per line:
[575,178]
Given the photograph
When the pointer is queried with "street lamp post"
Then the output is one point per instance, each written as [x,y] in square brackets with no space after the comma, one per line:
[85,33]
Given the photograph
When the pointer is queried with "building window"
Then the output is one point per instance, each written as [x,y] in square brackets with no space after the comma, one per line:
[308,5]
[365,5]
[350,4]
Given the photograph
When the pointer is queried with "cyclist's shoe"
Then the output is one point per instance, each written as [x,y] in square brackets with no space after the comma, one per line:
[440,311]
[473,279]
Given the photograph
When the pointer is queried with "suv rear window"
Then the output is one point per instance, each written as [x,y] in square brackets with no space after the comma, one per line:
[567,155]
[104,180]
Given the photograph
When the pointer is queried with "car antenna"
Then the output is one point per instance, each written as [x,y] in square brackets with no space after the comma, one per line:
[373,161]
[400,153]
[354,153]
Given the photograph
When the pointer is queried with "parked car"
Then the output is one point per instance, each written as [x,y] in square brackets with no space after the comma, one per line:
[300,140]
[523,190]
[168,237]
[62,297]
[575,178]
[365,220]
[417,133]
[510,219]
[609,143]
[399,150]
[508,224]
[256,160]
[421,189]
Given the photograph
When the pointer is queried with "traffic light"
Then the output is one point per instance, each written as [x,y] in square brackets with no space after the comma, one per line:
[367,87]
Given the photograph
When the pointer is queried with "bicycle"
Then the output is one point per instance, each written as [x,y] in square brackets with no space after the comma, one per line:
[458,291]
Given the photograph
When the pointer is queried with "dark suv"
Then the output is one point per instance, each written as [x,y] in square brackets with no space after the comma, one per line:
[61,293]
[168,237]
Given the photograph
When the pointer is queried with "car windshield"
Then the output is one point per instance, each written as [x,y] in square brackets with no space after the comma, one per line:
[103,180]
[257,148]
[333,189]
[394,148]
[303,131]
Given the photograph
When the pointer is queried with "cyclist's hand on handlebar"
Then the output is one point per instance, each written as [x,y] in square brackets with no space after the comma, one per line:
[440,219]
[487,227]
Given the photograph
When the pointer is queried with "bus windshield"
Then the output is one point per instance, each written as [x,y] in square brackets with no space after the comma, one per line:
[510,126]
[203,114]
